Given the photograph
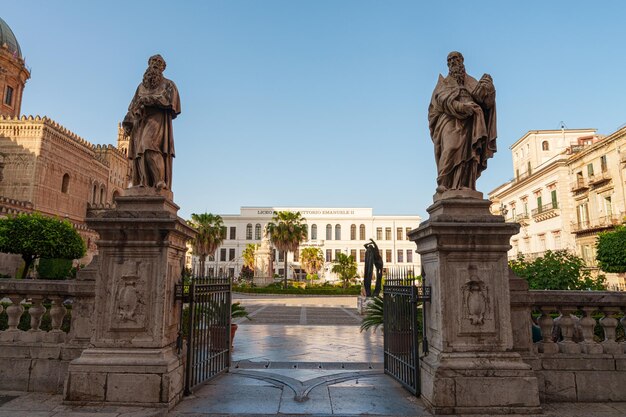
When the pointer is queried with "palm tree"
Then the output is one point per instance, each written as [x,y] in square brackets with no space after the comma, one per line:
[286,231]
[345,267]
[210,236]
[248,255]
[312,260]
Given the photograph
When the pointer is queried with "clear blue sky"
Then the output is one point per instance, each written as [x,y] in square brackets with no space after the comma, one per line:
[320,103]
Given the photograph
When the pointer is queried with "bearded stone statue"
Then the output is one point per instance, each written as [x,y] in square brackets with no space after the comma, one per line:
[462,122]
[149,124]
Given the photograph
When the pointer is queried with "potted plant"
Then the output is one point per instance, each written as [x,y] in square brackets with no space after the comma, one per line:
[373,314]
[236,311]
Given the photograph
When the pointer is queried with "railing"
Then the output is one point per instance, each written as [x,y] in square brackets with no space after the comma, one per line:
[597,223]
[31,296]
[580,185]
[600,179]
[545,208]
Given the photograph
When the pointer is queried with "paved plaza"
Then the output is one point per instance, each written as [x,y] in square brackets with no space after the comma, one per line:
[298,356]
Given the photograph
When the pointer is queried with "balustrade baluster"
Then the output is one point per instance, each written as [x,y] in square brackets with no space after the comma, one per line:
[57,313]
[36,311]
[609,324]
[14,312]
[546,323]
[567,325]
[587,325]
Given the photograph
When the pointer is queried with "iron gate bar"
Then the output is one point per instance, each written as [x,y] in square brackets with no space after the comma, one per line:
[208,328]
[401,338]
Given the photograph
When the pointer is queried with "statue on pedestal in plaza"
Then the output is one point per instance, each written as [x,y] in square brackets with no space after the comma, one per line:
[462,122]
[149,123]
[372,259]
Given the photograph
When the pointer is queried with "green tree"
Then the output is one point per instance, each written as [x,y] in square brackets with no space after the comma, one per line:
[34,236]
[345,267]
[611,250]
[556,270]
[286,231]
[312,260]
[209,238]
[248,255]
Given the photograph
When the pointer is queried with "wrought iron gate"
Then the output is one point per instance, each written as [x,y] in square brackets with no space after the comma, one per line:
[205,321]
[402,329]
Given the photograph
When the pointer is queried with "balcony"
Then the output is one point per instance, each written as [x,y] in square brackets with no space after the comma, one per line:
[598,180]
[545,212]
[580,185]
[523,219]
[597,224]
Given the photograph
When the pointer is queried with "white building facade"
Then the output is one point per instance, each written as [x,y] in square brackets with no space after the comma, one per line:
[333,230]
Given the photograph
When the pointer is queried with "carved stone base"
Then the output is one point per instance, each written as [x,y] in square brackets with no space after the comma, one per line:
[362,302]
[475,383]
[263,281]
[137,377]
[471,368]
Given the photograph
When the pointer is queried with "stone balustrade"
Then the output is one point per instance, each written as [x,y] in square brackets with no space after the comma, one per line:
[36,359]
[579,357]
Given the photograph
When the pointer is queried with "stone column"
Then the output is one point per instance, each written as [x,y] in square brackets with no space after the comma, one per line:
[132,358]
[471,367]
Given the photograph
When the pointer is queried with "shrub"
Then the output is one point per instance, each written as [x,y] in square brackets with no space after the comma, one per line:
[54,268]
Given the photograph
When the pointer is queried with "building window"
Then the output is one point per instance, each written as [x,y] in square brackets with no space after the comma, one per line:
[608,207]
[337,232]
[362,232]
[379,233]
[407,230]
[329,232]
[94,194]
[399,233]
[231,254]
[223,254]
[314,232]
[590,170]
[65,183]
[557,240]
[329,255]
[388,256]
[337,252]
[362,255]
[409,255]
[400,257]
[8,96]
[353,232]
[542,243]
[102,196]
[257,232]
[353,254]
[555,203]
[387,233]
[296,256]
[603,166]
[545,146]
[233,233]
[530,171]
[249,231]
[281,256]
[582,214]
[539,206]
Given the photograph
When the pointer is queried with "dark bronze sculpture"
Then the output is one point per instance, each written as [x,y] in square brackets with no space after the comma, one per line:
[149,123]
[372,259]
[462,122]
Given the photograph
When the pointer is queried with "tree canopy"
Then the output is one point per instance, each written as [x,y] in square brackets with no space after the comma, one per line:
[248,255]
[556,270]
[611,250]
[210,235]
[345,267]
[312,260]
[36,236]
[286,230]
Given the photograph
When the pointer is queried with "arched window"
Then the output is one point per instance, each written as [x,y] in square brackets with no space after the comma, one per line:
[257,232]
[94,194]
[249,231]
[313,232]
[353,232]
[545,146]
[362,232]
[329,232]
[102,196]
[115,195]
[65,184]
[337,232]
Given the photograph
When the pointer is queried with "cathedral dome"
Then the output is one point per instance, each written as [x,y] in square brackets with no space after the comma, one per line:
[8,40]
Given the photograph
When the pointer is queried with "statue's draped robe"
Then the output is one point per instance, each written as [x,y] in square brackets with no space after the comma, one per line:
[150,114]
[463,142]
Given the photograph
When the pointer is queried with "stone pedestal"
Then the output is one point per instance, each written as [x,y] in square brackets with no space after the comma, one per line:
[471,367]
[133,357]
[362,302]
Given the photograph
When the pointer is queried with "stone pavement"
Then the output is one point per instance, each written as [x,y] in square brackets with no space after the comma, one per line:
[317,365]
